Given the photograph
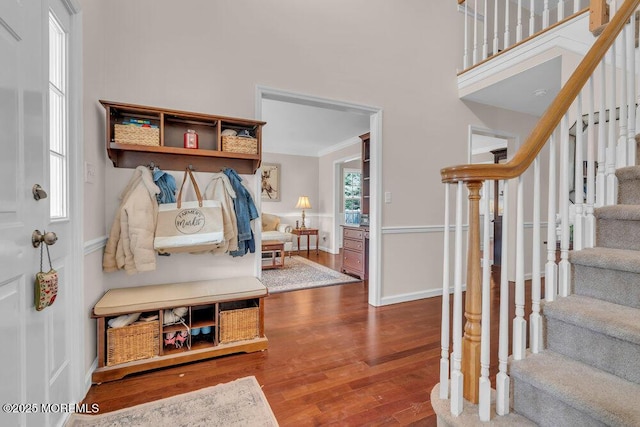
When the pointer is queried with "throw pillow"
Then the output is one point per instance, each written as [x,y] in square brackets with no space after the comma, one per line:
[270,222]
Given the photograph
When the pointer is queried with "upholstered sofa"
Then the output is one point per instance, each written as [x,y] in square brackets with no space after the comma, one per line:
[272,230]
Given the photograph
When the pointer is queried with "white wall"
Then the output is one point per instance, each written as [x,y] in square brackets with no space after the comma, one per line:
[94,218]
[298,177]
[209,55]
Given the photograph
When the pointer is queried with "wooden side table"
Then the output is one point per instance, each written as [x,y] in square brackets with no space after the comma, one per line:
[273,247]
[306,232]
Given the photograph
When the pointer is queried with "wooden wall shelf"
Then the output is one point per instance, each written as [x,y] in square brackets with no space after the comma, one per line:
[168,153]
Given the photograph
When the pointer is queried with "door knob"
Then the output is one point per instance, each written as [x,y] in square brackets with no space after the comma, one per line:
[38,192]
[49,238]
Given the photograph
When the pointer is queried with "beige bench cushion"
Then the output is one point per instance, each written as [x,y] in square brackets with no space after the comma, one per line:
[157,297]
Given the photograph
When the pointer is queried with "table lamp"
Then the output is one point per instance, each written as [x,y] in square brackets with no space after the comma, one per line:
[303,203]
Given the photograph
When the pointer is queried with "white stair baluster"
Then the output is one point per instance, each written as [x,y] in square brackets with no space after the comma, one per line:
[519,322]
[545,14]
[456,373]
[578,184]
[444,332]
[601,182]
[611,142]
[519,25]
[502,379]
[631,90]
[484,404]
[564,269]
[496,42]
[475,32]
[507,35]
[485,43]
[465,56]
[535,320]
[589,224]
[621,148]
[532,18]
[576,6]
[551,268]
[560,10]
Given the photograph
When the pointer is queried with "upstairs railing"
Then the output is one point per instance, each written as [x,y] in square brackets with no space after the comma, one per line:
[494,26]
[603,83]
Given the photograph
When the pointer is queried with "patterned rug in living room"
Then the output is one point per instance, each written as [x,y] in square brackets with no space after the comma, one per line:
[301,273]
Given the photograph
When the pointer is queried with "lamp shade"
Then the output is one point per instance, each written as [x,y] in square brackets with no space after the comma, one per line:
[303,203]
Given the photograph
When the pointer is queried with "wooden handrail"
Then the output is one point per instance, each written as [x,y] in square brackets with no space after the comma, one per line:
[551,118]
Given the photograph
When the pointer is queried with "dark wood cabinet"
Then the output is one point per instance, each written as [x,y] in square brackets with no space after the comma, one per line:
[366,181]
[355,252]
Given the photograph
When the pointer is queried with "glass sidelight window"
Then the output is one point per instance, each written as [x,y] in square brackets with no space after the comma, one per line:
[58,123]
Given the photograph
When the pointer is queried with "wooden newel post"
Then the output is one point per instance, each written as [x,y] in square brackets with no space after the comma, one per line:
[473,300]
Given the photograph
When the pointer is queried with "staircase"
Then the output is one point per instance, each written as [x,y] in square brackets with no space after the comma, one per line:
[589,372]
[569,356]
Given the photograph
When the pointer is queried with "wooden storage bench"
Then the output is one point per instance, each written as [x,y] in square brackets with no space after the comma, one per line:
[223,316]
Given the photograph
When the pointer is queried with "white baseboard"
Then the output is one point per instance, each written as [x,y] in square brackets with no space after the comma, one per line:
[413,296]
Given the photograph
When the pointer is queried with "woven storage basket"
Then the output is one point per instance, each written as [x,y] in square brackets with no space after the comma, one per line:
[136,135]
[133,342]
[238,325]
[239,144]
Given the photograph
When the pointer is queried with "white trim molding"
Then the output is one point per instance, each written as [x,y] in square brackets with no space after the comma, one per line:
[97,244]
[413,296]
[410,229]
[344,144]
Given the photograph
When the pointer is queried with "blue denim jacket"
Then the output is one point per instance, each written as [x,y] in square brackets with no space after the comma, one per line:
[246,211]
[167,184]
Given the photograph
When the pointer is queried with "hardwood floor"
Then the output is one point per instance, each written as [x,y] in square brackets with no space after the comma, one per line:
[332,360]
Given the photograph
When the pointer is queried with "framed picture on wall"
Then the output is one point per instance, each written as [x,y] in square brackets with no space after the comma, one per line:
[270,182]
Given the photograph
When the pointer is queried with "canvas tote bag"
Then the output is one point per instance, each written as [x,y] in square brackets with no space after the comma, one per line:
[189,226]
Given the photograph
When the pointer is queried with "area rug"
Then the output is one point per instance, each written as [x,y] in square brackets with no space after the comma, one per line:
[238,403]
[301,273]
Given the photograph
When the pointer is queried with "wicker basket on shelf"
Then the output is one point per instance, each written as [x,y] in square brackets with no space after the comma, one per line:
[133,342]
[238,325]
[239,144]
[136,135]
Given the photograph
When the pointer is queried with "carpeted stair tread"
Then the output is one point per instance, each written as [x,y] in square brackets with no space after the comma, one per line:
[604,397]
[628,188]
[599,333]
[621,212]
[618,226]
[600,316]
[611,258]
[628,173]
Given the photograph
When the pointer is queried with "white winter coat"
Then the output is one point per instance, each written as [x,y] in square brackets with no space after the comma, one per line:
[130,244]
[220,189]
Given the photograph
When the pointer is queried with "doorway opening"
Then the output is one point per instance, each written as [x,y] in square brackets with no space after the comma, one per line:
[327,210]
[490,146]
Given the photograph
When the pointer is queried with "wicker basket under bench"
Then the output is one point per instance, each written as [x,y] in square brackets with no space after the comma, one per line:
[230,310]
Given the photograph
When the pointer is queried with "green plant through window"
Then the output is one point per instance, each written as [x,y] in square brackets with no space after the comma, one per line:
[352,195]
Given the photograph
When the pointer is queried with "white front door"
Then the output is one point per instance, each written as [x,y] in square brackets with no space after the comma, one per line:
[38,353]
